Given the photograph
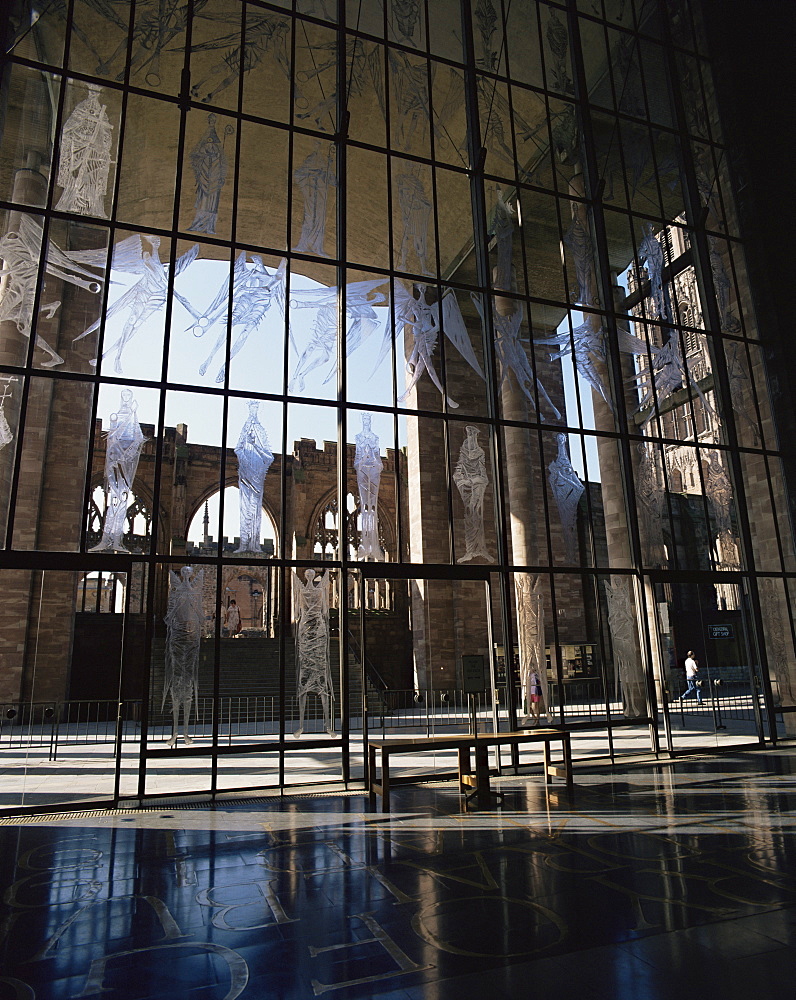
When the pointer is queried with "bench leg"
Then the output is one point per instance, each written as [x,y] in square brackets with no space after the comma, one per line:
[548,777]
[385,781]
[568,760]
[483,797]
[464,768]
[371,776]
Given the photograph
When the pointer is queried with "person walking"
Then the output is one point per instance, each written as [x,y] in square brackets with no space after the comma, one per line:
[691,671]
[232,619]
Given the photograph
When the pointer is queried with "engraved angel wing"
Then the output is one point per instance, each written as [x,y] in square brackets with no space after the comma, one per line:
[402,312]
[455,330]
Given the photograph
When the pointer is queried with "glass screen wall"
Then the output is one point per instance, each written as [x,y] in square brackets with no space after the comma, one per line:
[362,339]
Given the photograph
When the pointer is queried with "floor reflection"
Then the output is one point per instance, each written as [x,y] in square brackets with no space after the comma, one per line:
[665,880]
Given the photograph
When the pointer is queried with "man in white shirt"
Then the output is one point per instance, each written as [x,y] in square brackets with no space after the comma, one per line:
[691,671]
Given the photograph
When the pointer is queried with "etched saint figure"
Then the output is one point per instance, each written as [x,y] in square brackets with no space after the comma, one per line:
[502,228]
[651,501]
[721,283]
[718,488]
[415,213]
[628,673]
[313,672]
[209,165]
[315,176]
[184,627]
[6,435]
[124,440]
[775,630]
[471,479]
[740,385]
[368,466]
[254,461]
[85,157]
[558,40]
[578,240]
[531,635]
[567,490]
[650,252]
[405,16]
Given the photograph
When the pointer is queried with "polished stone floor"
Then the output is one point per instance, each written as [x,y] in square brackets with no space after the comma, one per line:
[675,880]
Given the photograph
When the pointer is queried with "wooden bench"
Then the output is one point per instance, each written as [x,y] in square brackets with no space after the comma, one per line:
[380,751]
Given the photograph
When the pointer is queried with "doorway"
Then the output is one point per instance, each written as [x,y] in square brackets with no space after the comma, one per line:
[709,620]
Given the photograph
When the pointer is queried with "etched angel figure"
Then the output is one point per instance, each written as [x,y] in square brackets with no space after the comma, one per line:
[415,213]
[209,165]
[6,435]
[184,626]
[650,252]
[315,176]
[587,347]
[124,441]
[254,291]
[254,461]
[511,354]
[425,321]
[368,466]
[156,26]
[21,252]
[567,490]
[146,297]
[311,614]
[264,33]
[664,374]
[531,635]
[623,641]
[471,479]
[85,157]
[360,299]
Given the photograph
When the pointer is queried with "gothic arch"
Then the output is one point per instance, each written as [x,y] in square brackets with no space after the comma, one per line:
[328,502]
[209,492]
[143,504]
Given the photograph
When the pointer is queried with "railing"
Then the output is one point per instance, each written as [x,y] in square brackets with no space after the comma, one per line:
[724,700]
[64,724]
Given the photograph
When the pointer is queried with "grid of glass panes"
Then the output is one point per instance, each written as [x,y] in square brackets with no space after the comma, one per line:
[461,235]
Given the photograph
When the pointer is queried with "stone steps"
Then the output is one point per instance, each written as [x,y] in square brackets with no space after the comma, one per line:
[250,670]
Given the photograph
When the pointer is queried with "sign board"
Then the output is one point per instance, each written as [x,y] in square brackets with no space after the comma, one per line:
[473,675]
[720,632]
